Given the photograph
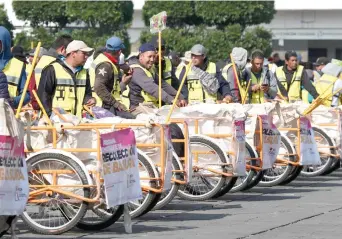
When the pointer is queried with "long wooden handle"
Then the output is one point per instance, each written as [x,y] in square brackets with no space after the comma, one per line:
[21,102]
[188,67]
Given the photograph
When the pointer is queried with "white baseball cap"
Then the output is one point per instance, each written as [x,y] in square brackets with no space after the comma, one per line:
[187,56]
[76,45]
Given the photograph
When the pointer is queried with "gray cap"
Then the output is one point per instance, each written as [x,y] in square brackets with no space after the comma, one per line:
[198,50]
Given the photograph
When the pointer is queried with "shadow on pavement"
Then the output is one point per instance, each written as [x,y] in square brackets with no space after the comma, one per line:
[281,190]
[190,216]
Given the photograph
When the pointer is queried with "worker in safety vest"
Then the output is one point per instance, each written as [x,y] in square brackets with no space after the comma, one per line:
[143,88]
[15,71]
[5,56]
[57,51]
[65,84]
[168,74]
[105,79]
[18,53]
[319,64]
[263,84]
[184,62]
[204,82]
[292,76]
[240,58]
[329,83]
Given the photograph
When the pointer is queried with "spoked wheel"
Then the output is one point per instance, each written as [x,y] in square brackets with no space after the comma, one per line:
[280,171]
[147,178]
[98,217]
[235,184]
[257,174]
[326,148]
[208,161]
[166,197]
[45,212]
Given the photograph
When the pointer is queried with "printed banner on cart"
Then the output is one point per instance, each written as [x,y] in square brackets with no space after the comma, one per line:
[120,167]
[14,187]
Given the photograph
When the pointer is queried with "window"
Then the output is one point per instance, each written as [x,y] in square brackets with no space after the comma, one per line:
[314,53]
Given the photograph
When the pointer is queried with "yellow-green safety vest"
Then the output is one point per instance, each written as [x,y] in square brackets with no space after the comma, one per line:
[224,73]
[195,89]
[116,87]
[179,70]
[147,97]
[167,70]
[294,90]
[257,97]
[42,63]
[65,96]
[325,86]
[13,71]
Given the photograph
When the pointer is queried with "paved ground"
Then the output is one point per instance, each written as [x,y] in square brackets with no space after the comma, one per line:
[305,209]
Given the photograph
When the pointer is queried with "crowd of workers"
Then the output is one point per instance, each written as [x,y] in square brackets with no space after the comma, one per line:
[64,77]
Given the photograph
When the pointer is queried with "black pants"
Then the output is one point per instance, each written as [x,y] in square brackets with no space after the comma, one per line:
[176,133]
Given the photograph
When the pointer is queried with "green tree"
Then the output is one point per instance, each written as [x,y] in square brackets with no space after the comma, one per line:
[180,13]
[218,25]
[219,43]
[39,34]
[245,13]
[41,13]
[96,42]
[4,19]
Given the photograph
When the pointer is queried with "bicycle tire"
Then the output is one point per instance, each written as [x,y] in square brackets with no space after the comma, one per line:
[82,209]
[327,166]
[287,171]
[174,187]
[188,192]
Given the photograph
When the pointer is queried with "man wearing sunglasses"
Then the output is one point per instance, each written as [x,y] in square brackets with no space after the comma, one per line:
[65,84]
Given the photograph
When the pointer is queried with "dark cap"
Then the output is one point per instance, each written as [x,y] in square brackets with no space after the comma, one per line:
[146,47]
[321,61]
[155,40]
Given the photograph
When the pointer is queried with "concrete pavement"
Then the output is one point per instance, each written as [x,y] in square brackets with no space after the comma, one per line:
[308,208]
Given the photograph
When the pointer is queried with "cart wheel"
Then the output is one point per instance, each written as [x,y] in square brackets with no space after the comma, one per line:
[48,217]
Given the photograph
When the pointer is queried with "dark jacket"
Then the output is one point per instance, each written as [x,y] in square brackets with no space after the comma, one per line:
[3,87]
[48,83]
[141,82]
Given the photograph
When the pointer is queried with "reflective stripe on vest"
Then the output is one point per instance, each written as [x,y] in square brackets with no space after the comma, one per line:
[325,86]
[65,96]
[42,63]
[116,87]
[195,89]
[294,89]
[258,97]
[13,71]
[147,97]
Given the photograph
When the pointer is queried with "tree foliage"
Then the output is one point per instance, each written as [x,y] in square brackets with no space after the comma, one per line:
[41,13]
[223,13]
[219,43]
[180,13]
[106,16]
[95,21]
[218,25]
[4,19]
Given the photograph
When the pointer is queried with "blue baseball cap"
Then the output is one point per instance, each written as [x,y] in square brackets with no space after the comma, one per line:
[146,47]
[114,44]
